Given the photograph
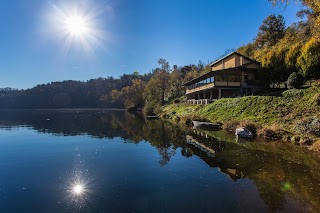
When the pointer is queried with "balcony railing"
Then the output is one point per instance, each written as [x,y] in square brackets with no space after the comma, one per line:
[200,101]
[204,87]
[212,85]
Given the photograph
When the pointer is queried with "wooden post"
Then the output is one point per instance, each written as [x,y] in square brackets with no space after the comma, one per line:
[219,93]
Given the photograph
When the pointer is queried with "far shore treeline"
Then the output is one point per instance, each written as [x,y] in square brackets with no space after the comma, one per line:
[282,51]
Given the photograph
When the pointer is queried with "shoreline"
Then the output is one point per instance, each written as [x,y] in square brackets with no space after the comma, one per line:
[182,114]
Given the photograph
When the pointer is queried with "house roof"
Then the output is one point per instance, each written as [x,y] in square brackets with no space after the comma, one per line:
[210,74]
[226,56]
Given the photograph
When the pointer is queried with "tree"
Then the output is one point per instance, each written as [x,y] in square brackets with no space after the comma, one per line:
[295,80]
[176,80]
[247,50]
[133,94]
[312,11]
[309,60]
[271,31]
[157,88]
[130,96]
[162,76]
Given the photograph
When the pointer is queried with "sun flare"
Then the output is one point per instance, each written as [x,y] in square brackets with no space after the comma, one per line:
[78,189]
[76,25]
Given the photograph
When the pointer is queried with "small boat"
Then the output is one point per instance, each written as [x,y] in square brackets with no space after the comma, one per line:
[205,124]
[243,132]
[152,116]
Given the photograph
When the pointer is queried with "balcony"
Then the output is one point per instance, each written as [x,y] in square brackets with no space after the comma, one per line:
[204,87]
[212,85]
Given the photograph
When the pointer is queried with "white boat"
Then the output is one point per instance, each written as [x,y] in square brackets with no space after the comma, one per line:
[243,132]
[205,124]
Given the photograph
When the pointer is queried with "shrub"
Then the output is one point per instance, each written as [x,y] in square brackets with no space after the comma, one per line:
[295,80]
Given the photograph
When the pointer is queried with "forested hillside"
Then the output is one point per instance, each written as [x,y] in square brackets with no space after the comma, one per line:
[284,50]
[129,90]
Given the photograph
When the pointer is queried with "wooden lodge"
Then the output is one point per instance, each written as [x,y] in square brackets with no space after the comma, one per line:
[231,76]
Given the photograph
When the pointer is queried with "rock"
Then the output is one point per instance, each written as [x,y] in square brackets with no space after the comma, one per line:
[243,132]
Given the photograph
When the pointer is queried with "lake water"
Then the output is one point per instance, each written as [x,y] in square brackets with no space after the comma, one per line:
[113,161]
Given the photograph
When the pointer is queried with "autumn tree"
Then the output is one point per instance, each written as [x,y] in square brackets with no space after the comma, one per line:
[163,78]
[271,31]
[157,88]
[131,96]
[312,11]
[176,82]
[309,59]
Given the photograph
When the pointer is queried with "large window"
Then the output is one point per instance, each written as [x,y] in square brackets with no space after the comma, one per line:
[202,83]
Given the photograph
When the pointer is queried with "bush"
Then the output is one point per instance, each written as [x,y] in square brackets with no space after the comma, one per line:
[295,80]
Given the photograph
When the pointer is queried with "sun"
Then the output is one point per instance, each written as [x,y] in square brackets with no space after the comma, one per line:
[78,189]
[76,25]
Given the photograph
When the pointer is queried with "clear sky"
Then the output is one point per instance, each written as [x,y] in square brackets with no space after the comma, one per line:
[39,42]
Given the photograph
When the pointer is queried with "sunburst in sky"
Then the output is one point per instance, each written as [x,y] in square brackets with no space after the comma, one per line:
[76,25]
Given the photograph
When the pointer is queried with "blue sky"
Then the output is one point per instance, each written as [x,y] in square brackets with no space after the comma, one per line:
[130,35]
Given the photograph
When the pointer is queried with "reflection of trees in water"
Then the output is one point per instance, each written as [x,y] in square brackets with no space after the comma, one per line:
[278,172]
[161,135]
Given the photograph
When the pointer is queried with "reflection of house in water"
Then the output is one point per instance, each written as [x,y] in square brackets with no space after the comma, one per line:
[234,174]
[210,152]
[201,143]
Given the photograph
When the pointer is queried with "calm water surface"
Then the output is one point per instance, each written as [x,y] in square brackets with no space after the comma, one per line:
[112,161]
